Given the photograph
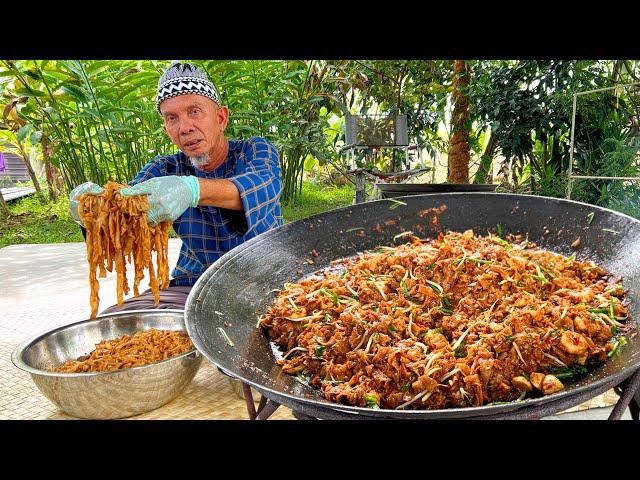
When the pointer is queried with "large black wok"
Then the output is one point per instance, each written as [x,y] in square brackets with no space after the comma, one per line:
[234,291]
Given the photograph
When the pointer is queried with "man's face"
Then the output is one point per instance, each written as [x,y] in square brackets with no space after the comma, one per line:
[195,124]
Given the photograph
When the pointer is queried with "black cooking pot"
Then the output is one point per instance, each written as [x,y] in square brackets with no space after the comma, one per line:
[222,310]
[391,190]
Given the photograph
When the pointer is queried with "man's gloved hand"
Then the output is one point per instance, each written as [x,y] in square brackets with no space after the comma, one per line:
[169,196]
[74,196]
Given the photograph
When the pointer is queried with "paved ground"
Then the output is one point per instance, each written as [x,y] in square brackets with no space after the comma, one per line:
[14,193]
[45,286]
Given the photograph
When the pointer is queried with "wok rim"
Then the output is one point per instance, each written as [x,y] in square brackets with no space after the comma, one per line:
[613,379]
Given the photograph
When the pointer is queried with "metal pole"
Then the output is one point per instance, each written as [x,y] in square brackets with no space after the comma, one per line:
[573,130]
[608,88]
[607,178]
[571,177]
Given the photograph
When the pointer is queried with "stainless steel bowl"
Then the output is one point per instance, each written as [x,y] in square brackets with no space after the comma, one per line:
[107,395]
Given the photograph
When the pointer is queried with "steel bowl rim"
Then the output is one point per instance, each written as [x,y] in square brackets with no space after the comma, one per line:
[16,356]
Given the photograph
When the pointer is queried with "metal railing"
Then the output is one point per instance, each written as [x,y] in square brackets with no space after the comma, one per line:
[571,177]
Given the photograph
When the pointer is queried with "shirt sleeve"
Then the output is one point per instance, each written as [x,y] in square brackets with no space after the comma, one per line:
[154,168]
[258,181]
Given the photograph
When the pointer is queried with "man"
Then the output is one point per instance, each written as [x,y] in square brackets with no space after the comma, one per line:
[217,192]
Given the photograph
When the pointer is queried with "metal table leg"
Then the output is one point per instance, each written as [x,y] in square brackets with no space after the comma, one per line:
[269,407]
[629,388]
[266,407]
[248,398]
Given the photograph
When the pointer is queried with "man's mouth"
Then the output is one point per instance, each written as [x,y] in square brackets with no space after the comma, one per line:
[192,143]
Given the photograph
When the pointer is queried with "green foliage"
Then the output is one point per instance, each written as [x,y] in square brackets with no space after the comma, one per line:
[528,107]
[98,116]
[99,119]
[316,199]
[33,220]
[527,104]
[417,88]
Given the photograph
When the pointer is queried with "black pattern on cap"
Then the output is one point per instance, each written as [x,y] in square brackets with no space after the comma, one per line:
[183,79]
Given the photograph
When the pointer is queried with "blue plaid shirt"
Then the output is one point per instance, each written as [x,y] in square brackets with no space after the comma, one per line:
[209,232]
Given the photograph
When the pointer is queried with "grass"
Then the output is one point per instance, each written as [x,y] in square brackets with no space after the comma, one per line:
[33,220]
[317,199]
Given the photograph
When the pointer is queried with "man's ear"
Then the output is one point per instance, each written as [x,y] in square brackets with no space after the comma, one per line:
[223,116]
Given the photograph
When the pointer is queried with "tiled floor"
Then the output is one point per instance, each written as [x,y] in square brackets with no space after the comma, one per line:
[45,286]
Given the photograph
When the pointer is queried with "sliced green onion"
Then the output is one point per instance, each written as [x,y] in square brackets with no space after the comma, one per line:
[396,203]
[226,337]
[372,401]
[434,286]
[446,301]
[330,293]
[405,290]
[477,260]
[611,309]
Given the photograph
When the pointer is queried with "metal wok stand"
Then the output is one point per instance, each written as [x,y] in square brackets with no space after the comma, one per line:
[626,390]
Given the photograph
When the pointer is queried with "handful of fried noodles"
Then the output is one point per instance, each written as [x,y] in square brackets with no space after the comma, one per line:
[117,232]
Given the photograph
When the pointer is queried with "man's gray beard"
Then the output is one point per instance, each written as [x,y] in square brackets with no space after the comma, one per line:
[200,161]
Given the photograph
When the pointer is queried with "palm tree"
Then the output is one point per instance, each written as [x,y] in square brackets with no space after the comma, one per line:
[459,150]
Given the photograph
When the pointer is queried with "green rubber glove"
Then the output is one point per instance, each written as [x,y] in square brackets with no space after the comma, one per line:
[86,187]
[169,196]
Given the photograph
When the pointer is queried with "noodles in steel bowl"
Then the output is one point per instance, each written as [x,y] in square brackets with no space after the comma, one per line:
[459,321]
[127,351]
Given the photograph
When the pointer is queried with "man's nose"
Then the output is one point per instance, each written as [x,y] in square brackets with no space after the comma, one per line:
[186,126]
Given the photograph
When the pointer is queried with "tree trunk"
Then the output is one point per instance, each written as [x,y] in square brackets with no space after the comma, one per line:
[27,162]
[485,172]
[54,180]
[459,150]
[4,209]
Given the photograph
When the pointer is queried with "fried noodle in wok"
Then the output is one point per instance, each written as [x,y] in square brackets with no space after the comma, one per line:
[459,321]
[117,232]
[128,351]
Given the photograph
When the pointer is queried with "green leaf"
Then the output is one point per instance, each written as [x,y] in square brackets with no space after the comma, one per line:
[75,92]
[23,132]
[28,92]
[309,163]
[35,138]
